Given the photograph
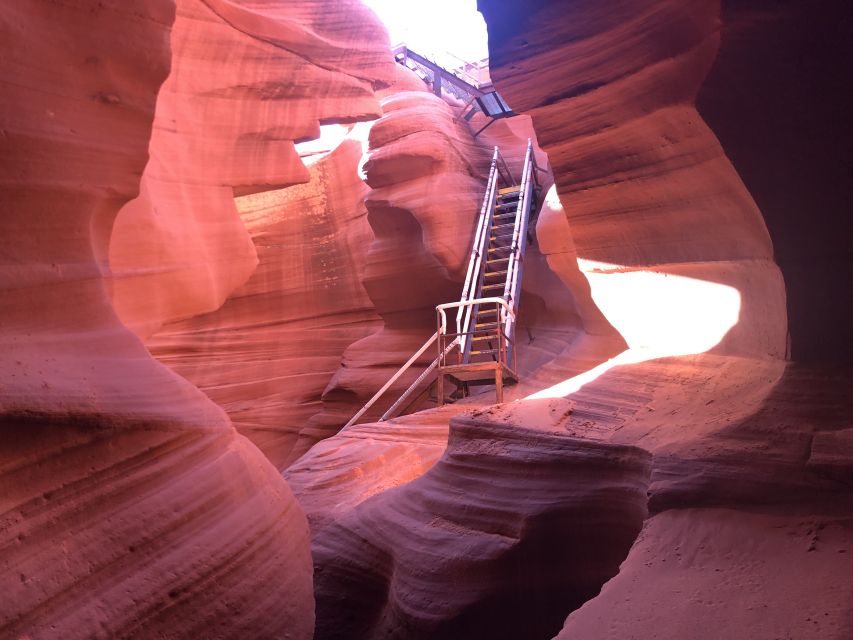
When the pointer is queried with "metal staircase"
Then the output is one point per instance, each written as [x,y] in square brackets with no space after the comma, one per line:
[478,96]
[481,350]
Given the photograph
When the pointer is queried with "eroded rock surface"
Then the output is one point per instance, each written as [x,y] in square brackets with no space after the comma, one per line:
[678,260]
[130,507]
[246,81]
[659,213]
[268,353]
[509,530]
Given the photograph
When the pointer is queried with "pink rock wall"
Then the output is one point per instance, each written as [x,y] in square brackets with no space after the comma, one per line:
[226,124]
[268,353]
[779,102]
[509,528]
[676,256]
[647,187]
[130,506]
[644,181]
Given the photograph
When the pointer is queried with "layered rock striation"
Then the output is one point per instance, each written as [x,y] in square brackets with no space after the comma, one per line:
[510,529]
[226,124]
[661,218]
[675,255]
[130,506]
[268,353]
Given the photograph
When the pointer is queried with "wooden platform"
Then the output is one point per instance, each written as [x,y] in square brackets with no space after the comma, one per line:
[480,373]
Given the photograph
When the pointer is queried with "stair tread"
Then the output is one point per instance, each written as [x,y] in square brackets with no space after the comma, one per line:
[495,273]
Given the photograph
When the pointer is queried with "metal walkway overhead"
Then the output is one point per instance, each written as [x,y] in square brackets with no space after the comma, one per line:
[477,345]
[477,97]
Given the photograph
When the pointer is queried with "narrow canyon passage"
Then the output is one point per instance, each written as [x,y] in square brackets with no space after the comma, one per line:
[227,223]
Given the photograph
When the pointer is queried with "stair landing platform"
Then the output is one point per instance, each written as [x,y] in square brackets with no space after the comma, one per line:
[495,373]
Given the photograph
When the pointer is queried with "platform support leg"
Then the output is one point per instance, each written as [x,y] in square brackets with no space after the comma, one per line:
[499,385]
[440,389]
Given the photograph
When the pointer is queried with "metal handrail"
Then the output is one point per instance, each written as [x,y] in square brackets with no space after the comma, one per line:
[439,73]
[467,303]
[519,236]
[523,205]
[475,263]
[508,177]
[393,409]
[505,345]
[392,380]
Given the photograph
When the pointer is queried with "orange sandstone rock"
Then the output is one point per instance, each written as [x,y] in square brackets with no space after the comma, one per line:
[246,81]
[130,505]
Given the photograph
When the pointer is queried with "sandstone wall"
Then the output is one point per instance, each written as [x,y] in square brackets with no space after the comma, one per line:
[268,353]
[778,100]
[226,124]
[675,254]
[130,506]
[653,198]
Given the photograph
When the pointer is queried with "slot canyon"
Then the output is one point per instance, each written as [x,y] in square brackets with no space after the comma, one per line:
[226,224]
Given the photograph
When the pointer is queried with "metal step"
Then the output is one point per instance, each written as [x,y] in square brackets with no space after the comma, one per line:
[501,285]
[493,249]
[487,325]
[504,215]
[503,226]
[506,190]
[494,260]
[494,273]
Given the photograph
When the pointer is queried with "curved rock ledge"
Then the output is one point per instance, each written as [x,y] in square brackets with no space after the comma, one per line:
[511,529]
[146,530]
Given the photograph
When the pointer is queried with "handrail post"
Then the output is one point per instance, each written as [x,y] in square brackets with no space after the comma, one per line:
[392,380]
[519,238]
[477,260]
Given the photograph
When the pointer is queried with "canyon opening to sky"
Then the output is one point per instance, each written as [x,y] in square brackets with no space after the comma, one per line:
[227,224]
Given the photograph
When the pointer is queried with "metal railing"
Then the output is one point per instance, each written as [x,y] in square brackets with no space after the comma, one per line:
[446,340]
[458,343]
[437,75]
[392,380]
[476,264]
[512,290]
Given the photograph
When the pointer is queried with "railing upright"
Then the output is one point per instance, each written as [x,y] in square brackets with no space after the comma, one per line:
[476,262]
[519,241]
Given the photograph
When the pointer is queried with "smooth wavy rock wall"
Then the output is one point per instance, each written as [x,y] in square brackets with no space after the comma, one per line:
[130,506]
[508,529]
[648,188]
[226,123]
[749,494]
[268,353]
